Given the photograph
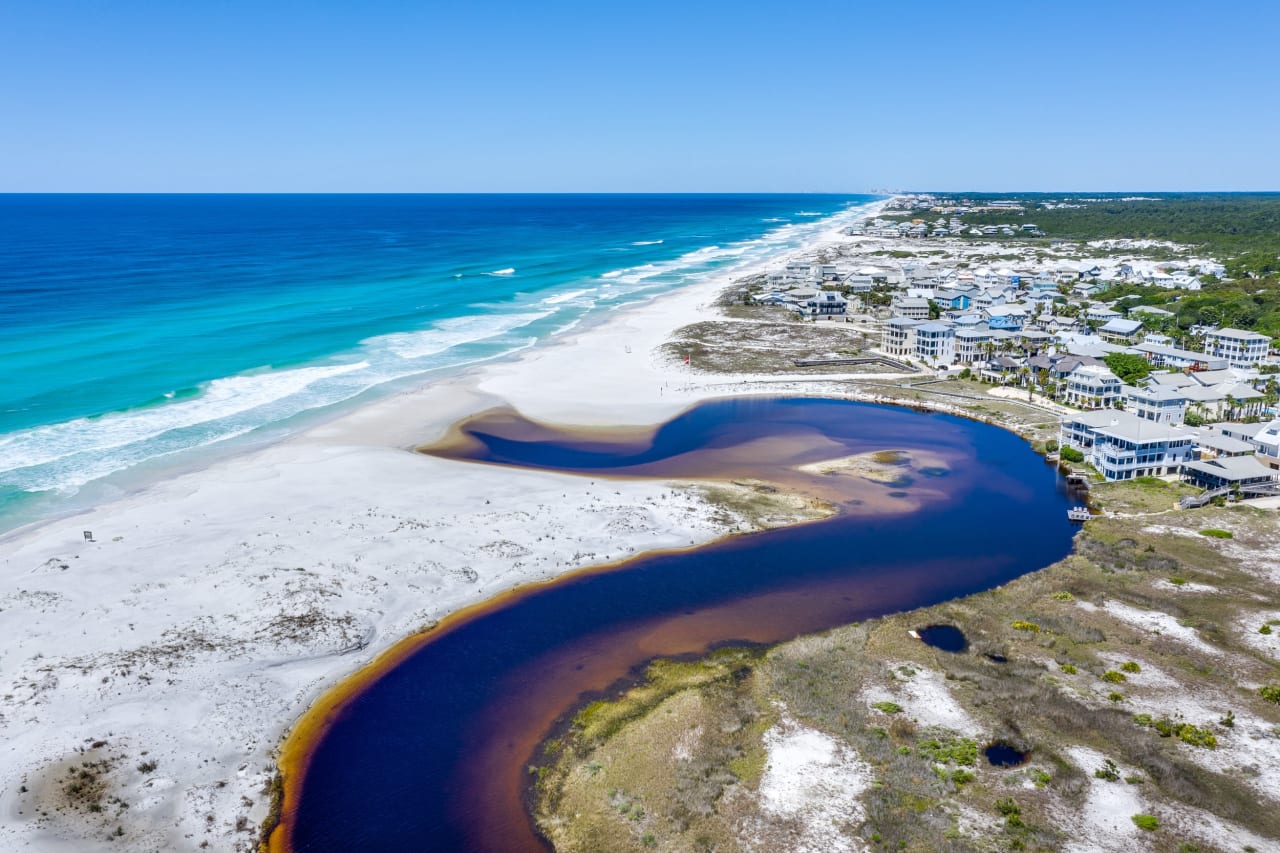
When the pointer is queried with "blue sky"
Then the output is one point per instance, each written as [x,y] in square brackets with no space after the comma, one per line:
[656,96]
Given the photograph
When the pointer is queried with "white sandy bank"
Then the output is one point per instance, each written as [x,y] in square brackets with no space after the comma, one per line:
[161,664]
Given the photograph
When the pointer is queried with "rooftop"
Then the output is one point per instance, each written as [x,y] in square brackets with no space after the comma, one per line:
[1232,468]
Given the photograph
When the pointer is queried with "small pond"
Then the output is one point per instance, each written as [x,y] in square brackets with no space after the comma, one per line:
[1001,754]
[948,638]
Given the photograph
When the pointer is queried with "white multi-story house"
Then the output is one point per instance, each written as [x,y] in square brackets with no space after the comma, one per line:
[971,345]
[1092,386]
[1237,346]
[1158,403]
[1164,355]
[913,308]
[1122,446]
[898,338]
[935,343]
[1267,441]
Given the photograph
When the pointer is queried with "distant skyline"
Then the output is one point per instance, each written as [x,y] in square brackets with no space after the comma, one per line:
[656,97]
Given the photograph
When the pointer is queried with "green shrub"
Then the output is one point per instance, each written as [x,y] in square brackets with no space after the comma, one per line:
[1270,692]
[1070,454]
[962,777]
[1215,533]
[1063,596]
[1186,732]
[1115,697]
[1012,813]
[1197,736]
[888,707]
[1020,625]
[1265,629]
[1114,677]
[1108,771]
[1069,668]
[962,751]
[1130,666]
[1147,822]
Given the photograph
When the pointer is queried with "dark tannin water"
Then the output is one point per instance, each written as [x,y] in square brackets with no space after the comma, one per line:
[433,753]
[949,638]
[1000,754]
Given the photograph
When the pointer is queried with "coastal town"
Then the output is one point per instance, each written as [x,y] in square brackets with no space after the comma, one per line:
[1137,394]
[174,717]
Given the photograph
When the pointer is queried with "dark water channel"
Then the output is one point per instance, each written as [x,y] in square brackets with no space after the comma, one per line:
[432,753]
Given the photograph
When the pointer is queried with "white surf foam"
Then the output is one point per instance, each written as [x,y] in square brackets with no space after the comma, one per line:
[219,399]
[565,297]
[447,334]
[507,271]
[646,242]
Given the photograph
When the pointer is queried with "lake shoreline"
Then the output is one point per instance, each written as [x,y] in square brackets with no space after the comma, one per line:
[225,600]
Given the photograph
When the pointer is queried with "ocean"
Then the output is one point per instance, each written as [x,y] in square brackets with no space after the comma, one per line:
[138,332]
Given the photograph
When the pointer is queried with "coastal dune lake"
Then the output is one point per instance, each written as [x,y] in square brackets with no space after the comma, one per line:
[431,750]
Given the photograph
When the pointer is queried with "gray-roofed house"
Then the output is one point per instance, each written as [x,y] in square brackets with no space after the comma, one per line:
[1161,355]
[1238,346]
[1158,403]
[1092,386]
[825,304]
[935,343]
[1267,441]
[1215,445]
[1121,331]
[1122,446]
[1233,471]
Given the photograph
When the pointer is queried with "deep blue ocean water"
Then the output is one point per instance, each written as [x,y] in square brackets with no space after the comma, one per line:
[138,329]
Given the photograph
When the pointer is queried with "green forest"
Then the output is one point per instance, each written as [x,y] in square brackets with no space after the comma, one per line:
[1223,223]
[1240,229]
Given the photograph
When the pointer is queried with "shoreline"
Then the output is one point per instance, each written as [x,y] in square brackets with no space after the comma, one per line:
[215,606]
[34,509]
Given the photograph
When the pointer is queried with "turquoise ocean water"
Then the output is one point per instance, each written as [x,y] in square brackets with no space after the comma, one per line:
[138,332]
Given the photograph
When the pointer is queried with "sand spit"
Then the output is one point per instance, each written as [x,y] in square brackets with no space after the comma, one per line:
[149,675]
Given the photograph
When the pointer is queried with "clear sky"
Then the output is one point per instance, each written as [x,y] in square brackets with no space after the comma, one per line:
[805,95]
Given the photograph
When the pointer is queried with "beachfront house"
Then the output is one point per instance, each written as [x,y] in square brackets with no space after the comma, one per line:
[1215,445]
[1121,446]
[1240,348]
[826,304]
[973,344]
[898,337]
[1234,471]
[1267,442]
[1093,386]
[1158,403]
[935,343]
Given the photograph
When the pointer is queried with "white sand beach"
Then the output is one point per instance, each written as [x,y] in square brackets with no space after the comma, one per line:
[148,675]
